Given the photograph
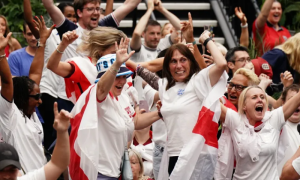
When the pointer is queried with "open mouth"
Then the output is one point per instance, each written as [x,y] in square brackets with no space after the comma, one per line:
[276,15]
[259,108]
[297,111]
[119,87]
[94,19]
[233,97]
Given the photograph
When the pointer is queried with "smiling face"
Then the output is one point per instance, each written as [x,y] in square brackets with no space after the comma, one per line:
[255,105]
[89,16]
[179,66]
[234,93]
[275,13]
[118,85]
[295,118]
[2,26]
[32,102]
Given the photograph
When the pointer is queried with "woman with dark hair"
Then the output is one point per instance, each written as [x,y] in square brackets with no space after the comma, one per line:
[19,124]
[12,44]
[68,10]
[182,91]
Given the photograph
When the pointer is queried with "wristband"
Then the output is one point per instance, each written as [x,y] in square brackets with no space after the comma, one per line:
[112,70]
[206,41]
[61,52]
[2,56]
[194,42]
[245,26]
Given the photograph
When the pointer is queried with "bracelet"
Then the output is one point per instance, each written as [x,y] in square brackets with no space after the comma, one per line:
[137,68]
[114,71]
[2,56]
[61,52]
[194,42]
[206,41]
[245,26]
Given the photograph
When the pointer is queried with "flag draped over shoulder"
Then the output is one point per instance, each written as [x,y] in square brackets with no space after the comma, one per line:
[84,137]
[198,156]
[87,69]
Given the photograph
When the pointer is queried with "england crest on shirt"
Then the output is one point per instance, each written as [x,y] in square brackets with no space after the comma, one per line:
[180,92]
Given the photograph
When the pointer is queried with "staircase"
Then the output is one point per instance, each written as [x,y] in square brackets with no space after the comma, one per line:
[201,12]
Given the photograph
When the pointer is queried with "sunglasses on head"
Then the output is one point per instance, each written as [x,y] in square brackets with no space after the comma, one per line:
[36,96]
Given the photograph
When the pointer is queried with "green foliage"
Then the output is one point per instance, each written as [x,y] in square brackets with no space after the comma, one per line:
[13,10]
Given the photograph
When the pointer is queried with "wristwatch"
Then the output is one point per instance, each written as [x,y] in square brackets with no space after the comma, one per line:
[38,44]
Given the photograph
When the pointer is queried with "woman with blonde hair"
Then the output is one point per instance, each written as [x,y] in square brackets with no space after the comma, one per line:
[255,133]
[80,72]
[137,166]
[13,44]
[285,57]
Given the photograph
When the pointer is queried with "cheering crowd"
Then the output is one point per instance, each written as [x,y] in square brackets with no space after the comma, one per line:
[82,101]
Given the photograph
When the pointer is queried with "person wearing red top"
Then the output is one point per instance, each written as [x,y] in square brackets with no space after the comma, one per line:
[13,44]
[267,33]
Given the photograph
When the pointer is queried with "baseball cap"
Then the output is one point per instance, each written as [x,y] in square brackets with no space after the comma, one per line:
[262,66]
[8,156]
[104,63]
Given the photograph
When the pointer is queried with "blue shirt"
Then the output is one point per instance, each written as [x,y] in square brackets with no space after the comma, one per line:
[19,62]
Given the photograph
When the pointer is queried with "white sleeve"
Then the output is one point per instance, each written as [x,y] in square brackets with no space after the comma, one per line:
[232,119]
[38,174]
[277,118]
[296,165]
[164,43]
[201,83]
[7,123]
[149,93]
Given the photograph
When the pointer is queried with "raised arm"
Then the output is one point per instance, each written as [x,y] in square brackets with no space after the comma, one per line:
[264,13]
[128,6]
[244,39]
[170,16]
[36,68]
[288,171]
[61,155]
[188,34]
[220,63]
[109,7]
[7,89]
[107,79]
[28,18]
[136,41]
[55,14]
[62,69]
[153,65]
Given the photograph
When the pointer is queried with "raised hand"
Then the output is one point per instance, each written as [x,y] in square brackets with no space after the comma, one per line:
[286,78]
[204,36]
[4,41]
[61,119]
[188,29]
[43,30]
[121,51]
[158,5]
[208,59]
[150,5]
[265,81]
[239,13]
[69,37]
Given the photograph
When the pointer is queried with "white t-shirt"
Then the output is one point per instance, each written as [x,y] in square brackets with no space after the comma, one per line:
[159,130]
[38,174]
[293,137]
[25,134]
[296,165]
[255,152]
[50,80]
[116,128]
[181,107]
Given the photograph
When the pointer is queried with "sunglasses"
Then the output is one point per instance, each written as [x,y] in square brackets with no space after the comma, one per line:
[36,96]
